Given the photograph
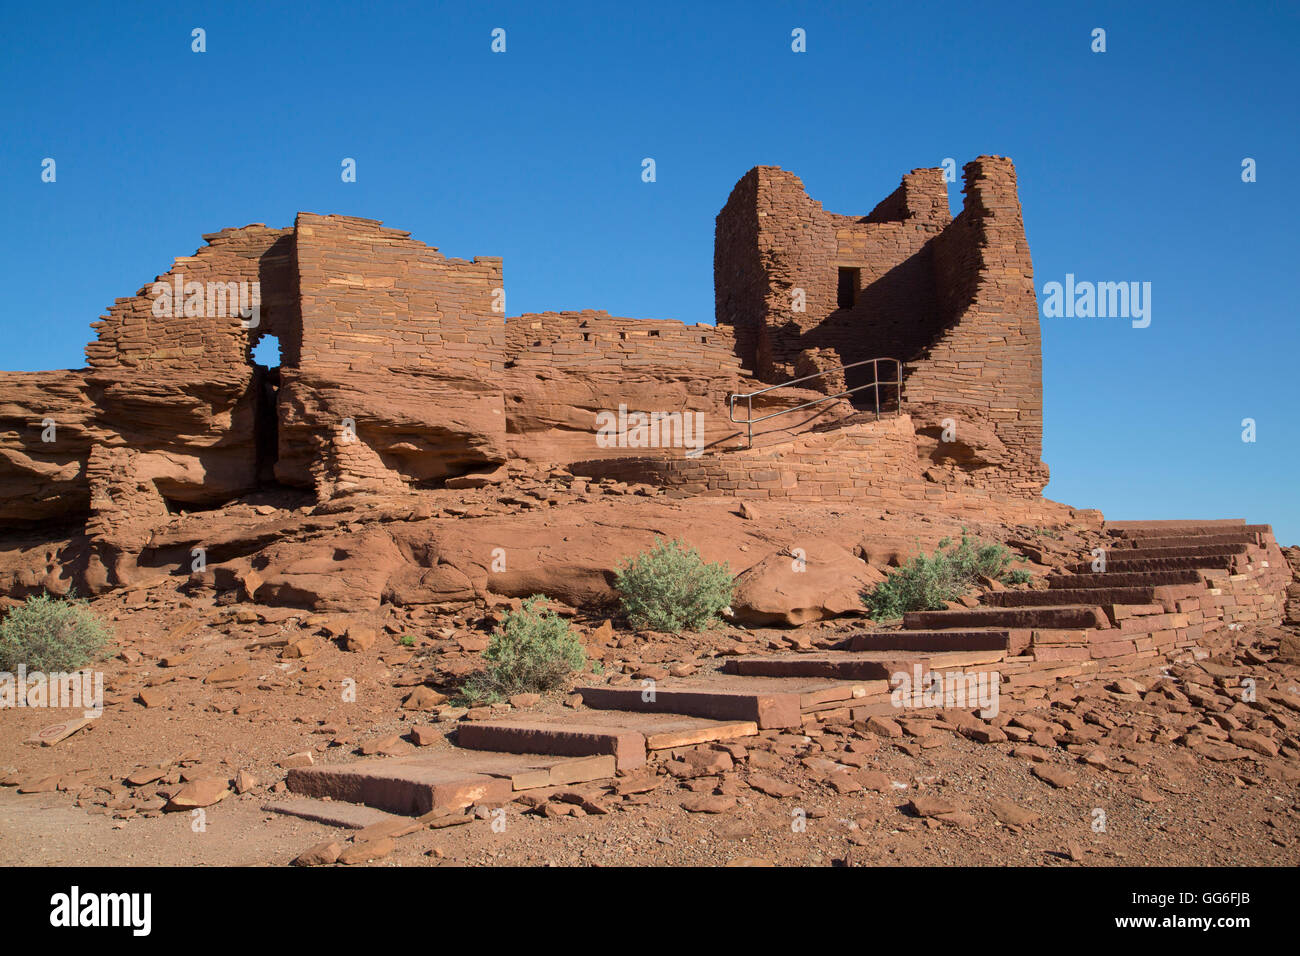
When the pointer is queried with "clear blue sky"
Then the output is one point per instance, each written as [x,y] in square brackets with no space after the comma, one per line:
[1129,165]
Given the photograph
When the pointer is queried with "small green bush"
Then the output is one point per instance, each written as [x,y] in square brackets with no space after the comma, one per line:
[51,635]
[671,588]
[927,583]
[1018,576]
[531,652]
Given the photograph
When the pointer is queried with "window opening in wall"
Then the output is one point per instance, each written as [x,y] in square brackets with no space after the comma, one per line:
[266,352]
[847,292]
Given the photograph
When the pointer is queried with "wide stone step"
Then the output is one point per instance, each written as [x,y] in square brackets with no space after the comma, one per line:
[858,666]
[715,702]
[332,813]
[1126,565]
[1068,617]
[1199,529]
[1188,541]
[1190,551]
[1116,595]
[448,780]
[969,639]
[1132,579]
[1175,525]
[627,737]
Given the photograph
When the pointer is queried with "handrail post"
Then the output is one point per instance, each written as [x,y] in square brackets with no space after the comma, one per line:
[874,385]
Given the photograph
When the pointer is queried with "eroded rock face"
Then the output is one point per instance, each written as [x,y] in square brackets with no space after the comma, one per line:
[47,428]
[346,435]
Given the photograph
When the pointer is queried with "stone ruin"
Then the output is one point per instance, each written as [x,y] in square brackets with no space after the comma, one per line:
[399,370]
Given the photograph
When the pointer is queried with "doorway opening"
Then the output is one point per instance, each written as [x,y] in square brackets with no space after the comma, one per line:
[264,353]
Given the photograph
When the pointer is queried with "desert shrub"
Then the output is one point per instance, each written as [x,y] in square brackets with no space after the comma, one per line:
[51,634]
[531,652]
[928,582]
[671,588]
[1018,576]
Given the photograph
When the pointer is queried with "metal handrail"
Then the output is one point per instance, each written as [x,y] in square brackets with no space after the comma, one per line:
[750,421]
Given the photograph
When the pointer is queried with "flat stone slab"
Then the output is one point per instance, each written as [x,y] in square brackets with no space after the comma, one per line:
[1068,616]
[767,709]
[1113,595]
[970,639]
[866,667]
[626,736]
[53,734]
[1183,551]
[1117,561]
[1181,525]
[351,816]
[1244,537]
[450,780]
[1121,579]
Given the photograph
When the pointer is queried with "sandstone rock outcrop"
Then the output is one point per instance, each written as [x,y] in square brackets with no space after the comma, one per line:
[796,588]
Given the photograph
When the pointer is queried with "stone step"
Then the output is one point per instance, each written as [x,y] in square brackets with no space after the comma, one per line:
[1190,551]
[1113,595]
[858,666]
[1174,525]
[448,780]
[627,737]
[1165,594]
[1133,579]
[1066,616]
[969,639]
[716,701]
[1125,565]
[334,813]
[1195,541]
[1188,531]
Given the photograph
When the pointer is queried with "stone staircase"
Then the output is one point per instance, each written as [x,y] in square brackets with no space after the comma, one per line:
[1168,589]
[1162,587]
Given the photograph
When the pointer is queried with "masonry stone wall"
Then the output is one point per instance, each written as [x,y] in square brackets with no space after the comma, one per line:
[807,291]
[986,365]
[374,300]
[595,341]
[203,336]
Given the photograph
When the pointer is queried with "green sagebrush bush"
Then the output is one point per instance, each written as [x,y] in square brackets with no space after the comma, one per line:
[671,588]
[928,582]
[531,652]
[51,635]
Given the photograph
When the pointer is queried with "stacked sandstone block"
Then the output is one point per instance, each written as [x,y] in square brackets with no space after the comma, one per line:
[1198,614]
[373,299]
[132,337]
[869,460]
[987,363]
[595,342]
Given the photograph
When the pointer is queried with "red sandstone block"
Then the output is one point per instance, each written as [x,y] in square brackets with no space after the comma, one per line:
[1112,649]
[1120,612]
[1060,652]
[1146,623]
[628,747]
